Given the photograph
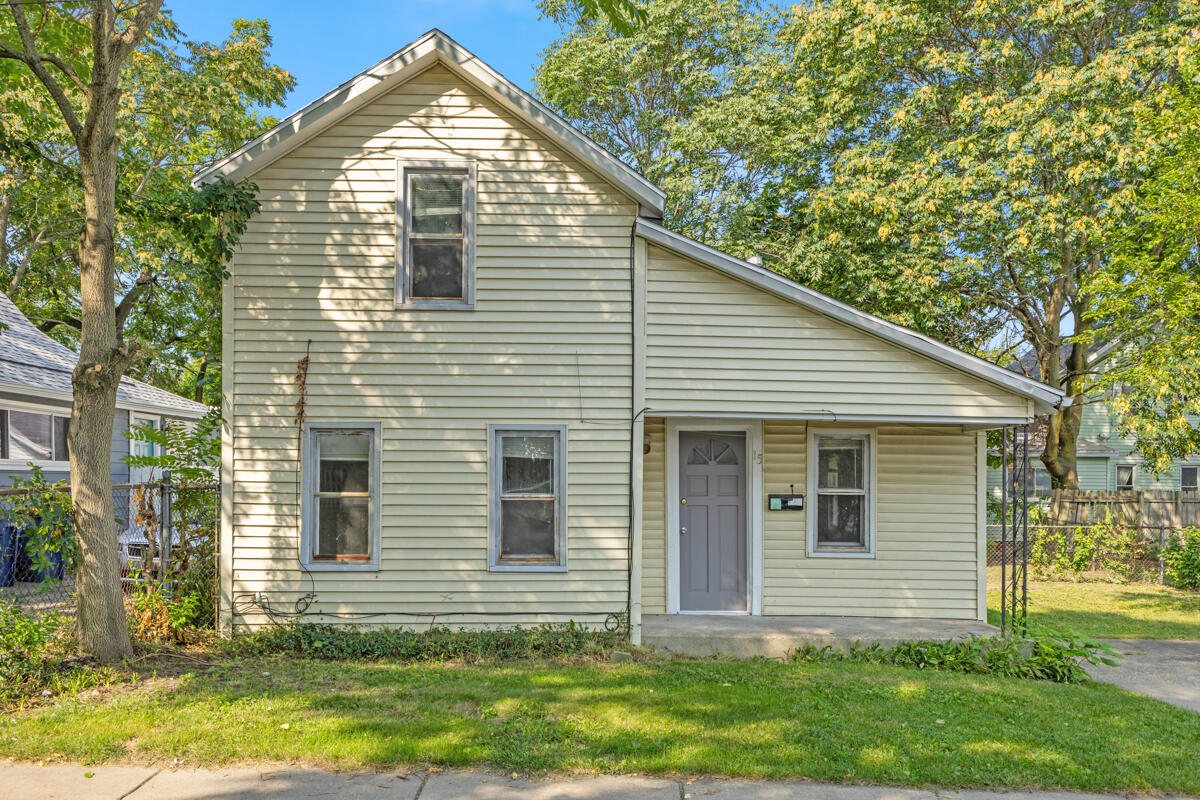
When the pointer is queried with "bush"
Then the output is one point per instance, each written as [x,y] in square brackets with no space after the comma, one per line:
[435,644]
[1054,657]
[43,514]
[1181,560]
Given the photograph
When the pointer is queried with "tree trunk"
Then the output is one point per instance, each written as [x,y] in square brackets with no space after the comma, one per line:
[102,359]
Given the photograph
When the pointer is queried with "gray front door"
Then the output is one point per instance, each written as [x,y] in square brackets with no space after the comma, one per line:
[712,521]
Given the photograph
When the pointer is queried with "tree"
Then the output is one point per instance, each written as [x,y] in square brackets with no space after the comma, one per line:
[112,102]
[1146,297]
[184,103]
[668,98]
[983,148]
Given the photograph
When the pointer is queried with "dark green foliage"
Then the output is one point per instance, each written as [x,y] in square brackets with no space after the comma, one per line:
[1181,558]
[1053,657]
[435,644]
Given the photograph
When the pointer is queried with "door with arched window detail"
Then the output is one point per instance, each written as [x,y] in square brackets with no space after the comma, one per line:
[712,521]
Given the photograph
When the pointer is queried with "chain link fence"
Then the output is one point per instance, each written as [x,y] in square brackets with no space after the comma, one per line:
[1096,551]
[166,537]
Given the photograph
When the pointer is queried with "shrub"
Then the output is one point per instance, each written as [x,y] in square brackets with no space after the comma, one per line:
[43,513]
[1054,656]
[1181,560]
[435,644]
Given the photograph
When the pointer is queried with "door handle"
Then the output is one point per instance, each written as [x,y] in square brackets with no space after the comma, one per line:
[683,530]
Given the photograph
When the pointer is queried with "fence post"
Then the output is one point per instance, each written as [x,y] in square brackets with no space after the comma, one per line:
[1162,566]
[164,527]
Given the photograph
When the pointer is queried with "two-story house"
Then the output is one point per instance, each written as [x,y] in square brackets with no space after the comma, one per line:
[471,379]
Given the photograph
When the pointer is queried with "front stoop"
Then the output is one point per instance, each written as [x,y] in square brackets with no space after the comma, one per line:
[778,637]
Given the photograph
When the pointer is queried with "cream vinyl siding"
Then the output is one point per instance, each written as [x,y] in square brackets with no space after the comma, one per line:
[654,520]
[926,534]
[548,343]
[715,345]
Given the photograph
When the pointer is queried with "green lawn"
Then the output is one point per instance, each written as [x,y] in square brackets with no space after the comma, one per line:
[837,722]
[1108,610]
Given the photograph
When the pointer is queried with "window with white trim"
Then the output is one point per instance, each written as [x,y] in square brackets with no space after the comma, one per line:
[1125,477]
[840,485]
[30,436]
[341,502]
[1189,478]
[528,491]
[436,250]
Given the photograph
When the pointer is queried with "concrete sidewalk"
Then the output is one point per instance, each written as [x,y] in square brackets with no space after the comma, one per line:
[20,781]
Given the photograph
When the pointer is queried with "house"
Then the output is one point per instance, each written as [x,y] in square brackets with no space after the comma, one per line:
[35,404]
[1105,460]
[471,379]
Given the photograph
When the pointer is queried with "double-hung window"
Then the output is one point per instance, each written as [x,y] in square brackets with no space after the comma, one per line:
[341,502]
[30,436]
[436,247]
[1125,477]
[1189,478]
[841,477]
[528,491]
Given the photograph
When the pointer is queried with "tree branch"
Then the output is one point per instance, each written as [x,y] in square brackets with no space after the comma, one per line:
[37,64]
[140,286]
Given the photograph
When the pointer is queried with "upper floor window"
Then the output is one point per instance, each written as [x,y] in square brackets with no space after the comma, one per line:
[436,248]
[29,436]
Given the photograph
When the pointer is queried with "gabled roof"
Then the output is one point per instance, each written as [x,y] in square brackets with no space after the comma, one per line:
[434,47]
[1046,398]
[32,363]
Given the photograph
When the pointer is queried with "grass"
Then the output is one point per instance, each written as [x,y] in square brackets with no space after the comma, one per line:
[834,722]
[1108,610]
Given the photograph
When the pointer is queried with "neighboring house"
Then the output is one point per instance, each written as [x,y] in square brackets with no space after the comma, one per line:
[1106,461]
[526,400]
[35,404]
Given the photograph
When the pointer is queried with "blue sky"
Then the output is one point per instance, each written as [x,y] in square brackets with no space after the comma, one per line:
[323,50]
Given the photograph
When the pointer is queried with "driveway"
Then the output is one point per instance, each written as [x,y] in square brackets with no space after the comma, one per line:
[1163,669]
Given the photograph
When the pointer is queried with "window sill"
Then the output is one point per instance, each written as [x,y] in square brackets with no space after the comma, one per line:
[23,465]
[527,568]
[436,305]
[838,553]
[341,566]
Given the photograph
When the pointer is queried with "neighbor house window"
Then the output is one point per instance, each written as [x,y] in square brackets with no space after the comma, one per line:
[1124,477]
[437,240]
[341,521]
[528,491]
[29,436]
[1189,478]
[1040,486]
[841,513]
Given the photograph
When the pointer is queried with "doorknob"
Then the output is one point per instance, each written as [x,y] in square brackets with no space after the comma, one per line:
[683,530]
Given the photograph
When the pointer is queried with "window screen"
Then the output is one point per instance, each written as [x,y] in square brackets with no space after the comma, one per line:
[437,247]
[342,495]
[31,436]
[526,484]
